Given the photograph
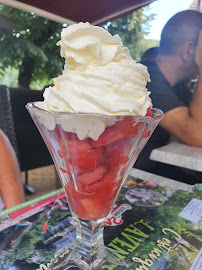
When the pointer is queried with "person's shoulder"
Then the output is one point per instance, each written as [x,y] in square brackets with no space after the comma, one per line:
[153,69]
[150,64]
[158,80]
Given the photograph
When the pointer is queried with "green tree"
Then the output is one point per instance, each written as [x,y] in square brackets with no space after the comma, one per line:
[133,30]
[30,47]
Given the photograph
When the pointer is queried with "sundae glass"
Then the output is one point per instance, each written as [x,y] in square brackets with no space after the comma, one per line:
[92,171]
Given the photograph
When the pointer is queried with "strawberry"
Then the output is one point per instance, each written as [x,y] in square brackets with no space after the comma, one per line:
[128,126]
[149,112]
[92,209]
[110,135]
[82,157]
[75,147]
[64,170]
[117,153]
[61,152]
[87,161]
[75,170]
[92,177]
[106,182]
[146,133]
[125,124]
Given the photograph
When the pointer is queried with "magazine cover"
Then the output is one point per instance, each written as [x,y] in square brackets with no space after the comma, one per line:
[151,227]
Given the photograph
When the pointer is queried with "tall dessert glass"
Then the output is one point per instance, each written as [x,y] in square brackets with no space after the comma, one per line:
[92,172]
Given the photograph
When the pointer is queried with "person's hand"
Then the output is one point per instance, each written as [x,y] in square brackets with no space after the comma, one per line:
[198,54]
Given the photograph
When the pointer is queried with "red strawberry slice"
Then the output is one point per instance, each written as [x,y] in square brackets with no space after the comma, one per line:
[106,182]
[110,135]
[64,170]
[75,170]
[117,153]
[125,124]
[128,126]
[61,151]
[87,161]
[92,209]
[92,177]
[146,133]
[81,155]
[76,147]
[149,112]
[85,164]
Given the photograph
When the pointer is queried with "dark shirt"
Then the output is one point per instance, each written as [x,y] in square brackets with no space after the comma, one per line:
[166,98]
[183,93]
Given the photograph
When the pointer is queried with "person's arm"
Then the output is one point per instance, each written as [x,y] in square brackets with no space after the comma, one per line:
[11,189]
[186,123]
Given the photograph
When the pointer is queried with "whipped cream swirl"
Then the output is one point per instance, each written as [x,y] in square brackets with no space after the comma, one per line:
[99,76]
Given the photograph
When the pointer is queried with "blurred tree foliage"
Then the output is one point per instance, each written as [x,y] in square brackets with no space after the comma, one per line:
[133,30]
[31,47]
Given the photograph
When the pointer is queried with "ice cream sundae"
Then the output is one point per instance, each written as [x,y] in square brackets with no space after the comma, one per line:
[95,120]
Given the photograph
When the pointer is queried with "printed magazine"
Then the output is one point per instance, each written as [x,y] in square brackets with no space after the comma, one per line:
[151,227]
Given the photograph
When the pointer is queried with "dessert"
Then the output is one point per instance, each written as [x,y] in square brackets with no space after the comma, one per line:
[100,78]
[95,121]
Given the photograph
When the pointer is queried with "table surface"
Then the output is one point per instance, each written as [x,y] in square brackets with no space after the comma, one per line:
[160,180]
[121,238]
[179,154]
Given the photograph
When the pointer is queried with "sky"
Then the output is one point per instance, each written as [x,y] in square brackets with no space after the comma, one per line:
[164,10]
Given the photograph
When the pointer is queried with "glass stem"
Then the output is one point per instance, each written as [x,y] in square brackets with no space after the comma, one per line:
[89,237]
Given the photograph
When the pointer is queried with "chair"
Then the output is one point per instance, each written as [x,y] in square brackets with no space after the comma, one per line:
[6,118]
[17,124]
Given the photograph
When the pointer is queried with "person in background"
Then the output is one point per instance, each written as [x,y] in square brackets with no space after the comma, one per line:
[178,61]
[11,188]
[150,54]
[183,90]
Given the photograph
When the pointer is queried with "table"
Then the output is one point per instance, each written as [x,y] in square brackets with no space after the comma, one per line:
[160,180]
[179,154]
[134,227]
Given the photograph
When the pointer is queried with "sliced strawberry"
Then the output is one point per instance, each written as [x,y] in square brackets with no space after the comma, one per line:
[129,126]
[92,209]
[110,135]
[117,153]
[64,170]
[87,161]
[76,147]
[61,153]
[84,164]
[92,177]
[57,133]
[149,112]
[75,171]
[125,124]
[146,134]
[122,171]
[81,155]
[106,182]
[124,160]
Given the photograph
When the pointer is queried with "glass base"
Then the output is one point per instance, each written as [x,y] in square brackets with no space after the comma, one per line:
[104,259]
